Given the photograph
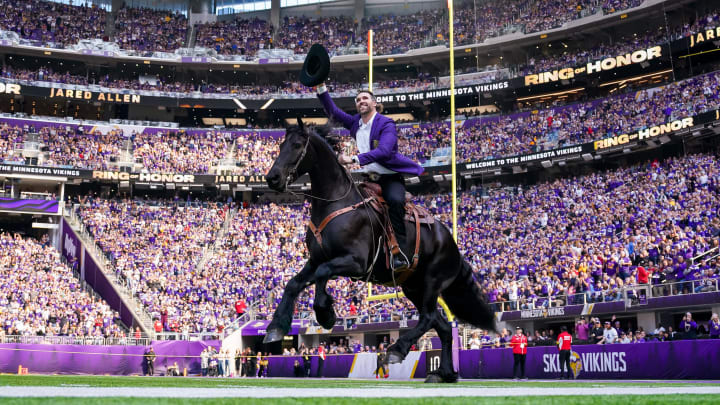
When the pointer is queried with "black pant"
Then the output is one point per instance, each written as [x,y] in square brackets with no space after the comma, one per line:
[519,365]
[321,365]
[565,370]
[151,368]
[306,365]
[378,372]
[393,187]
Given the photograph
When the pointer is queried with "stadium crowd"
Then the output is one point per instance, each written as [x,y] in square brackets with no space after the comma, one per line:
[40,296]
[235,37]
[147,30]
[52,22]
[585,248]
[156,250]
[223,36]
[478,138]
[593,235]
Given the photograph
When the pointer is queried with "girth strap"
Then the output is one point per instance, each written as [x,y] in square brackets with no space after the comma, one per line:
[317,231]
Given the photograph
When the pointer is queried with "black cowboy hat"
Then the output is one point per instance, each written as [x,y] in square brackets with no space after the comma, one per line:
[316,67]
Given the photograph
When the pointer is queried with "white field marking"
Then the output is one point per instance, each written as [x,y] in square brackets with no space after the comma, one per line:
[274,392]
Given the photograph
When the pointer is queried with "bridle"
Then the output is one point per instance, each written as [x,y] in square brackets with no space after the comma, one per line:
[368,210]
[293,172]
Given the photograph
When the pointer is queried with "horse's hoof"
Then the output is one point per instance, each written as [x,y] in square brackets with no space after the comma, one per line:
[273,335]
[326,320]
[433,379]
[450,378]
[395,357]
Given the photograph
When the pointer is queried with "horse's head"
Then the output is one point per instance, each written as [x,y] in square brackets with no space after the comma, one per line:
[293,161]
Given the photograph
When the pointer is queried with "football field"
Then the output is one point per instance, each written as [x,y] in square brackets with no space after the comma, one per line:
[30,389]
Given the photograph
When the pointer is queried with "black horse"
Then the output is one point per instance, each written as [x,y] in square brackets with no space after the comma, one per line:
[348,249]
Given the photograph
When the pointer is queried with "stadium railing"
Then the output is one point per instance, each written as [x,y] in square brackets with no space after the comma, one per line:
[76,340]
[625,293]
[191,336]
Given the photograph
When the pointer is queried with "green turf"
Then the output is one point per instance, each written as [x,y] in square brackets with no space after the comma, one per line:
[198,382]
[558,400]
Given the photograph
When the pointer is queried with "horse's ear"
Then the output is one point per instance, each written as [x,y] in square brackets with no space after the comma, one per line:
[300,123]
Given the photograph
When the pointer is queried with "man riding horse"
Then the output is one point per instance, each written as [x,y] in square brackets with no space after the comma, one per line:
[377,142]
[345,230]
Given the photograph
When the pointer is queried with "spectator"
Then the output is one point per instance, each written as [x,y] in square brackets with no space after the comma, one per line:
[688,326]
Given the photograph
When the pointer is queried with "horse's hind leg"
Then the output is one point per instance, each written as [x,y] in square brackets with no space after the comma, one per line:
[323,305]
[282,319]
[398,351]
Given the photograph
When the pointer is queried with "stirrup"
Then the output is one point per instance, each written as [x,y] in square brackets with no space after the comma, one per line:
[405,265]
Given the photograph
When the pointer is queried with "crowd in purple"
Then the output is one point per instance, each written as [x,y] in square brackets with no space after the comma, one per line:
[156,250]
[47,21]
[235,37]
[570,241]
[583,239]
[590,237]
[149,30]
[144,29]
[39,295]
[478,138]
[221,38]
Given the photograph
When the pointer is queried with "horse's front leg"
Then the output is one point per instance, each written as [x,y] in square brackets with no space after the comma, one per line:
[346,266]
[282,318]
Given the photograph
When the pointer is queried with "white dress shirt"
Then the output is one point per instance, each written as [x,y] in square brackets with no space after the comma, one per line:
[362,137]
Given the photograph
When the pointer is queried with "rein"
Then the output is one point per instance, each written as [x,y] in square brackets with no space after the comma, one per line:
[317,231]
[293,171]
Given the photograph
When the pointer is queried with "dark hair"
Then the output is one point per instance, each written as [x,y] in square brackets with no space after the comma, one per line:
[563,328]
[366,91]
[379,107]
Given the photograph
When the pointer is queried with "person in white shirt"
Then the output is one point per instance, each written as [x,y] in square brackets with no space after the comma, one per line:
[609,334]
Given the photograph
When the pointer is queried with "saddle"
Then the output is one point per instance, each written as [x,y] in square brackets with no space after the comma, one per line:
[373,197]
[413,213]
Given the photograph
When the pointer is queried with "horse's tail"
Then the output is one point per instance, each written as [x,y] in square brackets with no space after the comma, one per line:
[466,301]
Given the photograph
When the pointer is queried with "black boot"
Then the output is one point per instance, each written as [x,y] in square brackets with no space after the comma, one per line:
[399,261]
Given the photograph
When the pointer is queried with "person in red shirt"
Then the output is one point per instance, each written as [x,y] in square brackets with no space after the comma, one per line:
[519,346]
[642,274]
[240,307]
[564,343]
[158,326]
[321,360]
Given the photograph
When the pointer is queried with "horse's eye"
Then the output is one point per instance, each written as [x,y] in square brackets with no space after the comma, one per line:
[297,145]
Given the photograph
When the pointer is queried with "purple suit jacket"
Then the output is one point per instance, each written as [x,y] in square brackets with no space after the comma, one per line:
[383,139]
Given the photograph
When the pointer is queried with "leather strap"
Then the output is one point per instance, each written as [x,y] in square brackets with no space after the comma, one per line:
[317,231]
[416,256]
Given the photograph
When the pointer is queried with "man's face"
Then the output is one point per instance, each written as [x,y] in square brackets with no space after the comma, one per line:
[365,103]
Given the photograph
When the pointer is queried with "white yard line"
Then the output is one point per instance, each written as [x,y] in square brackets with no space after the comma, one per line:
[377,392]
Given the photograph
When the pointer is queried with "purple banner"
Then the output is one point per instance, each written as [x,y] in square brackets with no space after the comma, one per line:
[272,61]
[688,359]
[685,359]
[97,53]
[72,250]
[195,59]
[335,366]
[258,328]
[113,360]
[29,205]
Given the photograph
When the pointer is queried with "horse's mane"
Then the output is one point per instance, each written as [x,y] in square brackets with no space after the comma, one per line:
[321,134]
